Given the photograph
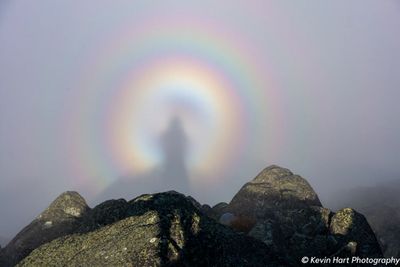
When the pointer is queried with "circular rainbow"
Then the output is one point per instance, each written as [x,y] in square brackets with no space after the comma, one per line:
[134,85]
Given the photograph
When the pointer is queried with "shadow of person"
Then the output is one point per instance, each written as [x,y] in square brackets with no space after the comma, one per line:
[170,174]
[174,146]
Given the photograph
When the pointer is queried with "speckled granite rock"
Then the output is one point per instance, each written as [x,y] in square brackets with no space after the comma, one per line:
[275,188]
[164,229]
[62,217]
[292,222]
[351,226]
[274,220]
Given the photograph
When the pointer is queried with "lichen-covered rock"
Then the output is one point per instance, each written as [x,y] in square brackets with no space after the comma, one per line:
[351,226]
[62,217]
[275,188]
[68,205]
[164,229]
[296,233]
[274,220]
[316,231]
[292,222]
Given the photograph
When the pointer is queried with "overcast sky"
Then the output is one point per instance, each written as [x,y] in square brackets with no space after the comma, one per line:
[88,89]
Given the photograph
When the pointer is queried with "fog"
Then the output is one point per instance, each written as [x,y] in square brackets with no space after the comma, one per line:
[118,99]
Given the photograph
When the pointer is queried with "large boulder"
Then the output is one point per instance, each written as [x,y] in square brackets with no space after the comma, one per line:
[164,229]
[317,231]
[350,226]
[291,221]
[275,188]
[296,233]
[62,217]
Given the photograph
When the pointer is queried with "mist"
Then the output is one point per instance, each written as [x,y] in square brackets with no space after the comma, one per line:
[117,100]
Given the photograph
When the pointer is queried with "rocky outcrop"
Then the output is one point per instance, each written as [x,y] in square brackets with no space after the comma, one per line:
[292,222]
[273,189]
[317,231]
[61,218]
[274,220]
[164,229]
[351,226]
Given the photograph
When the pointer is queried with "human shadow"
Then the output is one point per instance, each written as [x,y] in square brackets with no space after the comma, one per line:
[174,145]
[170,174]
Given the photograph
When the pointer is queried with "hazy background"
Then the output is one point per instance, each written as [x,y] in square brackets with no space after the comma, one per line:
[328,74]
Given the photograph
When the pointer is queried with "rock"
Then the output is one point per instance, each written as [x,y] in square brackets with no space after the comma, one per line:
[296,233]
[103,214]
[191,199]
[2,258]
[275,188]
[380,204]
[214,212]
[62,217]
[206,209]
[238,223]
[164,229]
[291,221]
[227,219]
[274,220]
[351,226]
[317,231]
[219,209]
